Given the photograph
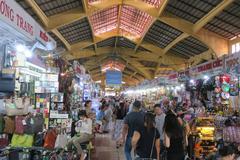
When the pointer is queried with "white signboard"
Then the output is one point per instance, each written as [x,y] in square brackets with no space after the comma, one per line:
[56,115]
[15,16]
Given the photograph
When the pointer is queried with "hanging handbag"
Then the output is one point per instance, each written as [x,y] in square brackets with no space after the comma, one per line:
[19,107]
[9,125]
[1,123]
[22,140]
[2,107]
[38,123]
[50,139]
[19,127]
[28,126]
[3,141]
[61,141]
[39,139]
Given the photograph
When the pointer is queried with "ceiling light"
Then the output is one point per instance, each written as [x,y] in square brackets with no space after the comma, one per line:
[192,81]
[28,53]
[206,77]
[20,48]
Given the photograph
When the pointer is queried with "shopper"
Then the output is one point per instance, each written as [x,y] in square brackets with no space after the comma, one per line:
[159,119]
[174,138]
[120,113]
[227,153]
[88,106]
[107,118]
[132,121]
[99,119]
[146,140]
[84,134]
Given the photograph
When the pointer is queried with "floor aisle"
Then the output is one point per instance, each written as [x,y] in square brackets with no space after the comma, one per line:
[105,149]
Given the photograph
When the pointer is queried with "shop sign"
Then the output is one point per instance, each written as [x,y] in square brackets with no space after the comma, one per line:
[207,67]
[15,16]
[56,115]
[232,63]
[173,76]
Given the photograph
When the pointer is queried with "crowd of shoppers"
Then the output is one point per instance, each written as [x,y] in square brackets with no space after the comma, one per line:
[161,133]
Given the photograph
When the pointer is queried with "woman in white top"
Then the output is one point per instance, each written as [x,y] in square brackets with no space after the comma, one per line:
[84,134]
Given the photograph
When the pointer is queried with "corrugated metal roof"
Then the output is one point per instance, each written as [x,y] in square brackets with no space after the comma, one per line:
[29,10]
[191,10]
[52,7]
[110,42]
[227,23]
[161,34]
[124,42]
[77,31]
[189,47]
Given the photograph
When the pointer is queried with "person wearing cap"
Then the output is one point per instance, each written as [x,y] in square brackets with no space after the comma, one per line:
[132,121]
[159,120]
[84,133]
[227,153]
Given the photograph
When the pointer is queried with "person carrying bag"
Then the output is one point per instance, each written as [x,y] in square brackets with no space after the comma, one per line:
[146,140]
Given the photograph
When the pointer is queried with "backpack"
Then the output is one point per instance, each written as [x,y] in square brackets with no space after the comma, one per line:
[19,128]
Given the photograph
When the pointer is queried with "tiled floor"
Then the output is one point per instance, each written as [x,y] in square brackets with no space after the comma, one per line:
[105,149]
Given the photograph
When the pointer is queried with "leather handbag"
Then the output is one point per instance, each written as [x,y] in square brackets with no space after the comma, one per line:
[9,125]
[1,123]
[28,126]
[17,108]
[39,139]
[3,141]
[19,128]
[38,123]
[50,139]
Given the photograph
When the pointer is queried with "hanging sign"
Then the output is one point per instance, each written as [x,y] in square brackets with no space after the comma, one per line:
[113,77]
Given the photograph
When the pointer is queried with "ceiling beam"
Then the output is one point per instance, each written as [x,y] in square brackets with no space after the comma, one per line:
[162,7]
[178,39]
[168,47]
[41,15]
[145,7]
[60,36]
[85,7]
[160,11]
[138,66]
[208,17]
[65,18]
[45,20]
[208,55]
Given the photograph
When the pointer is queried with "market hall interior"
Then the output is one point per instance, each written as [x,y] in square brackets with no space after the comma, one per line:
[101,79]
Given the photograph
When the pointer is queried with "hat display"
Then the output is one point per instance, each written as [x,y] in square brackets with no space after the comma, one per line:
[225,78]
[218,90]
[225,87]
[225,95]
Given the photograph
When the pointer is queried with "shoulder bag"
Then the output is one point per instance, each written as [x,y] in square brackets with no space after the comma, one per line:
[154,138]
